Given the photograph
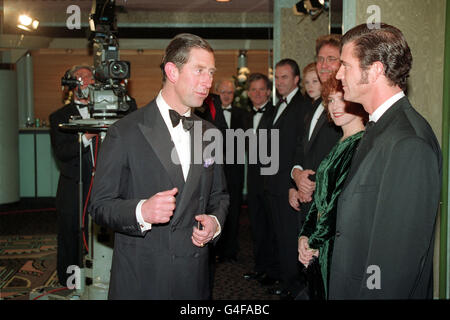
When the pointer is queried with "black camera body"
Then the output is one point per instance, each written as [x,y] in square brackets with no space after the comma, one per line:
[108,94]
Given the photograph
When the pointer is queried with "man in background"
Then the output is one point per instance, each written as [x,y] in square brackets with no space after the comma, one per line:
[289,113]
[231,117]
[321,134]
[66,147]
[266,266]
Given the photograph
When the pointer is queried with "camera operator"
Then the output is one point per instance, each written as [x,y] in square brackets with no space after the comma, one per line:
[65,147]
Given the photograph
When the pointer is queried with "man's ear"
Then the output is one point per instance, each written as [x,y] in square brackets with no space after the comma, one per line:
[171,71]
[297,80]
[376,70]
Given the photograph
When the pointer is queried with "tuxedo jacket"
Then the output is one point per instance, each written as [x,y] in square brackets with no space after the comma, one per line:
[135,163]
[387,211]
[255,181]
[291,128]
[240,119]
[66,150]
[311,152]
[65,143]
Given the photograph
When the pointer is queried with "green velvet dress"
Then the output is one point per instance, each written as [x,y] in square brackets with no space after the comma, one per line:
[320,223]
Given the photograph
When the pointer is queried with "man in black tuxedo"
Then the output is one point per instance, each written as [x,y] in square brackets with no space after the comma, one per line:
[65,147]
[165,199]
[289,113]
[320,134]
[266,267]
[387,210]
[231,117]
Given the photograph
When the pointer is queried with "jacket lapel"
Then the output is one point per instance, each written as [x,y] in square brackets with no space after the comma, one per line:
[195,170]
[369,140]
[264,123]
[320,122]
[157,135]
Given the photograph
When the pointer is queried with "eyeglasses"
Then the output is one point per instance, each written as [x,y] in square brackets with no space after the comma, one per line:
[329,59]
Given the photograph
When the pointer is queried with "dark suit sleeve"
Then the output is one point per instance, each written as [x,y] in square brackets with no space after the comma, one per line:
[403,220]
[64,144]
[109,206]
[219,199]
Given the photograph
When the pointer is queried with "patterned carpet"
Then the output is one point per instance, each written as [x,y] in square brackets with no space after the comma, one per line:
[26,262]
[28,255]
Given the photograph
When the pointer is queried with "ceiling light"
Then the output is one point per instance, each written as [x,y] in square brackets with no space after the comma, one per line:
[25,20]
[316,4]
[299,8]
[27,23]
[311,7]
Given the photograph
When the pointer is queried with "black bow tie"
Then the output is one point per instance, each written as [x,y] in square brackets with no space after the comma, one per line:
[175,117]
[260,110]
[228,109]
[281,101]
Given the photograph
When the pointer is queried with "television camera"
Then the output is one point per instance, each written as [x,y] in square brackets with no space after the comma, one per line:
[108,95]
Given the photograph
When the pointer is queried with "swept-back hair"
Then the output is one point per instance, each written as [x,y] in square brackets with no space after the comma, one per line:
[179,48]
[385,44]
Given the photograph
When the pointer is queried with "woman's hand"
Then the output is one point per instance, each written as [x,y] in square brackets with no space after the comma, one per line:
[305,253]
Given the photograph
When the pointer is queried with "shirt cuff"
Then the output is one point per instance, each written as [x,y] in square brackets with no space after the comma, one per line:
[145,226]
[295,167]
[219,229]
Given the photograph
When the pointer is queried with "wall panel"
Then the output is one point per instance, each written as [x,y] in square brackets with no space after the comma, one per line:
[49,65]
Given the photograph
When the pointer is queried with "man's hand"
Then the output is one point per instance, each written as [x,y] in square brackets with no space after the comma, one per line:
[305,254]
[209,228]
[305,186]
[159,208]
[293,199]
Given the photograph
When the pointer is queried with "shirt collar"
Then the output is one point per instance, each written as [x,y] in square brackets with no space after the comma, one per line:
[164,110]
[291,95]
[227,107]
[261,107]
[376,115]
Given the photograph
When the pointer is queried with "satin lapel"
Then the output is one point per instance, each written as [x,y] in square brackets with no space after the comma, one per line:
[195,170]
[283,114]
[267,116]
[157,135]
[320,122]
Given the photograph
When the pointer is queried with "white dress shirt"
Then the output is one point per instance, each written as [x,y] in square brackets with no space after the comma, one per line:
[84,113]
[284,104]
[314,120]
[182,141]
[227,115]
[385,106]
[257,116]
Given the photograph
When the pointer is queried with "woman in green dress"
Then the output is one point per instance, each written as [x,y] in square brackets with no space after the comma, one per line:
[317,235]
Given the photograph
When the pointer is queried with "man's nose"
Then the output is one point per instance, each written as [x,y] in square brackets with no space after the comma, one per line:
[339,73]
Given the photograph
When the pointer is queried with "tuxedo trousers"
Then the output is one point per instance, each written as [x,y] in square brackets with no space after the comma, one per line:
[263,234]
[286,227]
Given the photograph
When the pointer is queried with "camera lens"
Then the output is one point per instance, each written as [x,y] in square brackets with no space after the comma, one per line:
[119,69]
